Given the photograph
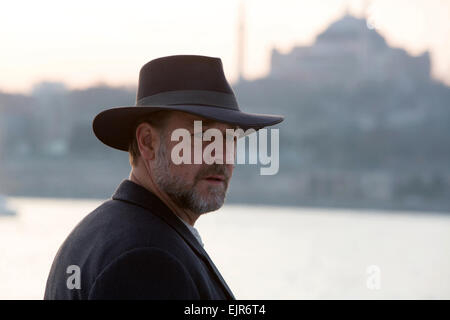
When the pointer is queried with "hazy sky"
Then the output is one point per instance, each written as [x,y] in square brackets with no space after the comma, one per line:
[86,42]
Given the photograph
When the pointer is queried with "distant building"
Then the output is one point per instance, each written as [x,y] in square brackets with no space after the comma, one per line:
[349,50]
[51,111]
[15,124]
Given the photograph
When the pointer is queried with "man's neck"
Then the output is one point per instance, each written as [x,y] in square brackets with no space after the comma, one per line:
[147,183]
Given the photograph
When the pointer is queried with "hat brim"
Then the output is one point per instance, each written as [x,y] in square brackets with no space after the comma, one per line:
[114,126]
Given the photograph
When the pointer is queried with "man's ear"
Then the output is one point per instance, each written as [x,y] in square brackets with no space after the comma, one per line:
[147,141]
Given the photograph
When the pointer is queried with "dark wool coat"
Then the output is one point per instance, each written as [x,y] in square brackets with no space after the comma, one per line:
[133,247]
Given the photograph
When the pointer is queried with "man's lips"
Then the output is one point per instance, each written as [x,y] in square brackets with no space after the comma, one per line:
[215,178]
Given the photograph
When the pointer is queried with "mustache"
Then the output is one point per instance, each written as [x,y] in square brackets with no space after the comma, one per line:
[214,169]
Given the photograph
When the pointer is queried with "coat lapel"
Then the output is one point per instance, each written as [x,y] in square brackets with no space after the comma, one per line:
[132,192]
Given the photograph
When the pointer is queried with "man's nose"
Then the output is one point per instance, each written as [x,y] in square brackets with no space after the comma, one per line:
[225,156]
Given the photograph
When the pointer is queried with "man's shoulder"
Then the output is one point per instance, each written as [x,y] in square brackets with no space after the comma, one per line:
[114,228]
[124,224]
[111,230]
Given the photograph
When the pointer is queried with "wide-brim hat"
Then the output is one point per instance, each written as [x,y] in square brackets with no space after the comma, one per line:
[189,83]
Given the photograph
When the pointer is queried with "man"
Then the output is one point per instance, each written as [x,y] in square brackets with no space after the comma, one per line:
[141,243]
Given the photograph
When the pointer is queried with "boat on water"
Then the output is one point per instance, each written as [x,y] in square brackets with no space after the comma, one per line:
[4,210]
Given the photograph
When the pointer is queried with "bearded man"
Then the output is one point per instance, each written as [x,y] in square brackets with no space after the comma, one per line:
[142,243]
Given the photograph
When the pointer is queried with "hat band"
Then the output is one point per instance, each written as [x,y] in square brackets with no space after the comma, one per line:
[203,97]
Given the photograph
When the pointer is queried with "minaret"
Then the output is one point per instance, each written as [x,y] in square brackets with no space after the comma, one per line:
[365,58]
[241,41]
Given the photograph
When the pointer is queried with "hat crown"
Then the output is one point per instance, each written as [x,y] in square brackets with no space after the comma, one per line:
[187,83]
[182,72]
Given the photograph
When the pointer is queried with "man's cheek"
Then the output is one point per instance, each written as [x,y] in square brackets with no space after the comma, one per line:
[185,172]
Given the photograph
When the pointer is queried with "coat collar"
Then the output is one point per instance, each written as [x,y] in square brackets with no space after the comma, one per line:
[129,191]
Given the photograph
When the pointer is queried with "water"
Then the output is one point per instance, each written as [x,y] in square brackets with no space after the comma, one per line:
[262,252]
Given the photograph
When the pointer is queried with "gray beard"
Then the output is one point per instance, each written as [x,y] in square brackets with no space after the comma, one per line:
[185,194]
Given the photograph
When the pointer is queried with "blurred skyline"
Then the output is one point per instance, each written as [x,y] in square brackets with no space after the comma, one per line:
[85,43]
[365,126]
